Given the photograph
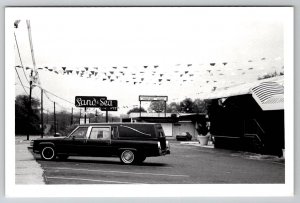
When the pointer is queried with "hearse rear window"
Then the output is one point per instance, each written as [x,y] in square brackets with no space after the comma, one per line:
[102,133]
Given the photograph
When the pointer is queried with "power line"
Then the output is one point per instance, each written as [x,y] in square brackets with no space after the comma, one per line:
[58,96]
[20,57]
[20,80]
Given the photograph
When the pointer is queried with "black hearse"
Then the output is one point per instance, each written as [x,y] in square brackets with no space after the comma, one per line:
[132,142]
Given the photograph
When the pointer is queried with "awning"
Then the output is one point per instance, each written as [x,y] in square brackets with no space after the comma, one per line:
[268,93]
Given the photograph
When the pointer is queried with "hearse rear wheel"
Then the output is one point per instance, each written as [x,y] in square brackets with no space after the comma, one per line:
[48,153]
[127,157]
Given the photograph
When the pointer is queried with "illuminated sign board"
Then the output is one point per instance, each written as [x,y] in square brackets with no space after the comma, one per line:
[153,98]
[89,101]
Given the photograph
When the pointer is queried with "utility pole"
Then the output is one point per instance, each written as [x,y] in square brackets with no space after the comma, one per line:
[72,117]
[29,105]
[47,118]
[54,120]
[42,115]
[165,109]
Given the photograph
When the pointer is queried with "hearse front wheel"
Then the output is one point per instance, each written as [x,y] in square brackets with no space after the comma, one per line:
[127,157]
[48,153]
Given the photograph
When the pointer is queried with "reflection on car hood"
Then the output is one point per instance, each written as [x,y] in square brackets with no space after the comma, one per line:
[50,139]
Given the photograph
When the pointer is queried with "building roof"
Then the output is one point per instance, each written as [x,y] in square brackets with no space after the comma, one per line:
[268,93]
[240,89]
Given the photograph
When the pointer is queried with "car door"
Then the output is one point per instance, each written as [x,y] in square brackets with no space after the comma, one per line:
[75,143]
[99,141]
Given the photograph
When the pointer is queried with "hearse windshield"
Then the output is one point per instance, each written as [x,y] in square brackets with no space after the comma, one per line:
[79,132]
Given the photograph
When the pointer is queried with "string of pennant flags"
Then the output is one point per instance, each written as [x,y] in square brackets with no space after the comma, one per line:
[212,75]
[185,74]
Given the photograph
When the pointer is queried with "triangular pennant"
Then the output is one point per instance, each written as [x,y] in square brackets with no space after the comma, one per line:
[145,66]
[86,68]
[212,64]
[64,68]
[224,63]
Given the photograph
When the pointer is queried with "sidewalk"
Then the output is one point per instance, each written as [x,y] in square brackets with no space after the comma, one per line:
[196,143]
[28,171]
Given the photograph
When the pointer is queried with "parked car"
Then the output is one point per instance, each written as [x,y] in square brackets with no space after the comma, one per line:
[185,136]
[131,142]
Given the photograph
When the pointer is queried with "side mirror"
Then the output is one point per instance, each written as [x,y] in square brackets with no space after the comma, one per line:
[73,137]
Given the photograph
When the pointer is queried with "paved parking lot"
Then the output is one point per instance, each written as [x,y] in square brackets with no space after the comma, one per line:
[187,164]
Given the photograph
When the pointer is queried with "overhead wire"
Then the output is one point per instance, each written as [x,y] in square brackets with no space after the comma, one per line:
[58,96]
[20,80]
[20,57]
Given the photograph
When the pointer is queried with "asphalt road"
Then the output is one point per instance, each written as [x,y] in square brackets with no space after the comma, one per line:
[185,165]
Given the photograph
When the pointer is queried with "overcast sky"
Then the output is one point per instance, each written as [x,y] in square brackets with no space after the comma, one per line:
[224,46]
